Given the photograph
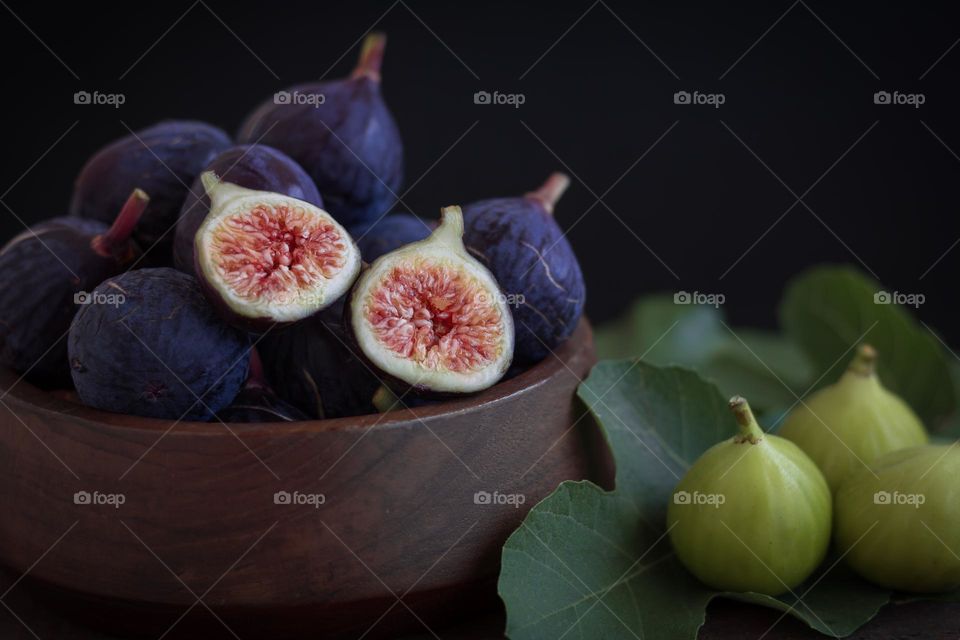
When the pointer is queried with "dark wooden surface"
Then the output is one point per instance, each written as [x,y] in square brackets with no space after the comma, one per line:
[725,621]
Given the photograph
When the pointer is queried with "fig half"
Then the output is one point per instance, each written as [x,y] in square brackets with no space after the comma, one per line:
[266,258]
[433,318]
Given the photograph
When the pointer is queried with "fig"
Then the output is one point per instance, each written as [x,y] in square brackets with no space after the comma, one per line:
[384,400]
[752,513]
[389,233]
[314,367]
[157,350]
[342,133]
[256,167]
[521,243]
[898,521]
[46,273]
[266,258]
[431,317]
[853,422]
[257,401]
[162,160]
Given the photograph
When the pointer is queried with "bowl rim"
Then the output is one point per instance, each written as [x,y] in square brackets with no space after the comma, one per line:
[15,390]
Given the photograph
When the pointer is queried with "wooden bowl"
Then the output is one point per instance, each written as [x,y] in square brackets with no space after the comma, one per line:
[295,529]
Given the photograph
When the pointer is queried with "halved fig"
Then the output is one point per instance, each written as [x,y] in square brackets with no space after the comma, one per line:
[431,317]
[266,258]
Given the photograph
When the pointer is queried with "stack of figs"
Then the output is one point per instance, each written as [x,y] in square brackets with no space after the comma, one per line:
[265,278]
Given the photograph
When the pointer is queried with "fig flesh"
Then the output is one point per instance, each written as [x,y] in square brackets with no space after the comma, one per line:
[851,423]
[342,133]
[157,350]
[752,513]
[388,234]
[256,167]
[431,317]
[46,275]
[162,160]
[898,522]
[265,258]
[521,243]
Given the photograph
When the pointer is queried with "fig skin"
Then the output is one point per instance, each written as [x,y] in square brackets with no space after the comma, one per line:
[161,159]
[389,234]
[853,422]
[403,373]
[257,401]
[41,272]
[521,243]
[771,529]
[314,366]
[153,354]
[890,539]
[349,143]
[256,167]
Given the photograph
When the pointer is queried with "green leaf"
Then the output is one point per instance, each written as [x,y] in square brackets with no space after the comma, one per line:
[828,310]
[587,563]
[662,332]
[761,365]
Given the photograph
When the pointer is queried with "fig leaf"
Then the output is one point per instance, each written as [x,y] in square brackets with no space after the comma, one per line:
[587,563]
[760,365]
[827,310]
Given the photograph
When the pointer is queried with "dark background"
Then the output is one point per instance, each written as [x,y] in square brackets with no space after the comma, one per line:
[599,98]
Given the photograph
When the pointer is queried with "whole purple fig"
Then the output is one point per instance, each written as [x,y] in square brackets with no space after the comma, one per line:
[389,233]
[313,366]
[257,401]
[162,160]
[521,243]
[46,275]
[155,348]
[342,133]
[256,167]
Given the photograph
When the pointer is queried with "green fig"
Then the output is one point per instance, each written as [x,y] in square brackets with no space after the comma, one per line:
[848,425]
[752,513]
[898,521]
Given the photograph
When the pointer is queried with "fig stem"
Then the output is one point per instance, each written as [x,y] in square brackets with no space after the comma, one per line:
[450,231]
[749,429]
[371,57]
[256,379]
[115,240]
[210,181]
[864,363]
[550,191]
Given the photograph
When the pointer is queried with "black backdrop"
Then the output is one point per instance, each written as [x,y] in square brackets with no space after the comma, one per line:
[686,189]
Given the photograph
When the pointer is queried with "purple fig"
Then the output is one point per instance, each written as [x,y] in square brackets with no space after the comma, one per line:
[314,367]
[521,243]
[256,167]
[257,401]
[155,348]
[389,233]
[46,274]
[342,133]
[162,160]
